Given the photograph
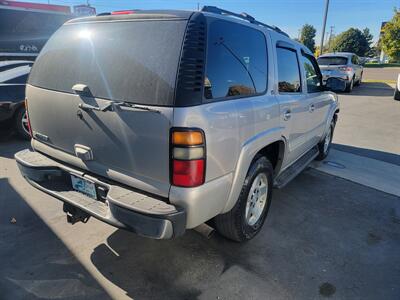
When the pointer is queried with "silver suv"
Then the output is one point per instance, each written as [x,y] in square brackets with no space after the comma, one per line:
[158,121]
[342,65]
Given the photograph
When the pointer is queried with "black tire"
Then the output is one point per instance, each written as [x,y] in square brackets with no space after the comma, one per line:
[18,125]
[349,86]
[233,224]
[359,80]
[396,94]
[323,151]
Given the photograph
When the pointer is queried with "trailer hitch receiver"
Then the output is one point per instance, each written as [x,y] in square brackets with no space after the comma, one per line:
[75,214]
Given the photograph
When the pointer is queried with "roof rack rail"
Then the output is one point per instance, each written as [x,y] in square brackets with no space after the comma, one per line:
[243,16]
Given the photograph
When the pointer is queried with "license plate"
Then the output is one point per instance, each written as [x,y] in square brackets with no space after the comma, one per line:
[84,186]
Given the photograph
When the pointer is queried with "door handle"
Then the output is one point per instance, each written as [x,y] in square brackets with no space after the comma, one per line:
[311,108]
[287,114]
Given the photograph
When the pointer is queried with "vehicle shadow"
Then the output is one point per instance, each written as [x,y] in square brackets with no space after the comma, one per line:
[372,89]
[313,237]
[10,144]
[34,262]
[375,154]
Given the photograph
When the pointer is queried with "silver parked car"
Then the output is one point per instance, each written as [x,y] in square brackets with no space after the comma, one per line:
[342,65]
[158,121]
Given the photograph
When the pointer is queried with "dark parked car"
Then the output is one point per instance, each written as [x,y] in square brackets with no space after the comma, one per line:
[24,29]
[13,75]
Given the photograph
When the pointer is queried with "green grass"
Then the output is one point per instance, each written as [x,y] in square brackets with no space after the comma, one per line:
[376,65]
[379,81]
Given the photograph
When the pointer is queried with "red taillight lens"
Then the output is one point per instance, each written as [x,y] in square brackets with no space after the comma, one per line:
[188,173]
[27,116]
[187,157]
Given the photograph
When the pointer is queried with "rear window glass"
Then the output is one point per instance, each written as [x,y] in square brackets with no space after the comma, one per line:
[133,61]
[332,60]
[236,61]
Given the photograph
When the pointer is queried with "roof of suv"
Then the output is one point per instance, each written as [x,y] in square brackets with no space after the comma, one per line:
[136,14]
[242,18]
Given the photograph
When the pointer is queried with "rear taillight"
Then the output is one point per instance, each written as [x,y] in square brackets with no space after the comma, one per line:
[188,157]
[346,69]
[27,116]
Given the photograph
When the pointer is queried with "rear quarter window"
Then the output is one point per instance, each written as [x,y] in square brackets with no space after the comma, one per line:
[236,63]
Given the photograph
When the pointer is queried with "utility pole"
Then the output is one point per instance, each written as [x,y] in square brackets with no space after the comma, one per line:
[198,6]
[324,26]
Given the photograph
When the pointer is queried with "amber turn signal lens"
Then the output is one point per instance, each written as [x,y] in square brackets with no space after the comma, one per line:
[188,138]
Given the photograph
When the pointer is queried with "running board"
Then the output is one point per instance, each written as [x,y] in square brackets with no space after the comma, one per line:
[291,172]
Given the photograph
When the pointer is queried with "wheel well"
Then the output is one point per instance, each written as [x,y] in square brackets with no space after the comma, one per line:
[274,152]
[18,106]
[335,116]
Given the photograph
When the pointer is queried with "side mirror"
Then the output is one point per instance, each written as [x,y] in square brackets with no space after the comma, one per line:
[335,84]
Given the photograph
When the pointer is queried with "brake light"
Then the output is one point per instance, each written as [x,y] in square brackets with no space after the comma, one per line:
[27,116]
[187,157]
[346,69]
[123,12]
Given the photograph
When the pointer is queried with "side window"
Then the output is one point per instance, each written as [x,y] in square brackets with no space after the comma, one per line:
[236,61]
[354,60]
[313,77]
[288,71]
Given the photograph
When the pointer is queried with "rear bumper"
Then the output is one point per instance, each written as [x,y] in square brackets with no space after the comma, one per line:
[343,75]
[118,206]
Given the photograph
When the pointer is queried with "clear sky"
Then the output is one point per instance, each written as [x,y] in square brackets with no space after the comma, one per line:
[289,15]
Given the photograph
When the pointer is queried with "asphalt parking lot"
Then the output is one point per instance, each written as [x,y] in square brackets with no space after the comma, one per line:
[327,235]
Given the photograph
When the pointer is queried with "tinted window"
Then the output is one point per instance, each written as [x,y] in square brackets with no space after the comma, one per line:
[288,71]
[133,61]
[312,75]
[332,60]
[236,61]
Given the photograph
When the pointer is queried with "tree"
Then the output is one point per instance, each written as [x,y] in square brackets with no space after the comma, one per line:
[307,36]
[352,40]
[369,37]
[390,40]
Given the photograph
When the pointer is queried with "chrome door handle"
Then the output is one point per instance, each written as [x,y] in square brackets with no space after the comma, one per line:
[287,114]
[311,108]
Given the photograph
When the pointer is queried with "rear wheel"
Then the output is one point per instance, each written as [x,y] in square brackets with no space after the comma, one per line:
[247,217]
[21,123]
[359,80]
[325,145]
[350,86]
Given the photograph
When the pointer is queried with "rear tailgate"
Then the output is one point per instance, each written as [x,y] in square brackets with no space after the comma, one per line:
[132,62]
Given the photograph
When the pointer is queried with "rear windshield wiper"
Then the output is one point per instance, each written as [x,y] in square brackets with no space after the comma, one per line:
[135,106]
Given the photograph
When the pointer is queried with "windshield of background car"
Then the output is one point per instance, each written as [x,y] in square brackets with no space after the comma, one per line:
[134,61]
[332,60]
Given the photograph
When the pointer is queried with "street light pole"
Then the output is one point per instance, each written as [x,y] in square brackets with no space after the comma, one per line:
[321,49]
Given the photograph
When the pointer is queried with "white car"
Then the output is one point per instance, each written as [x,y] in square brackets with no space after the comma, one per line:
[397,89]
